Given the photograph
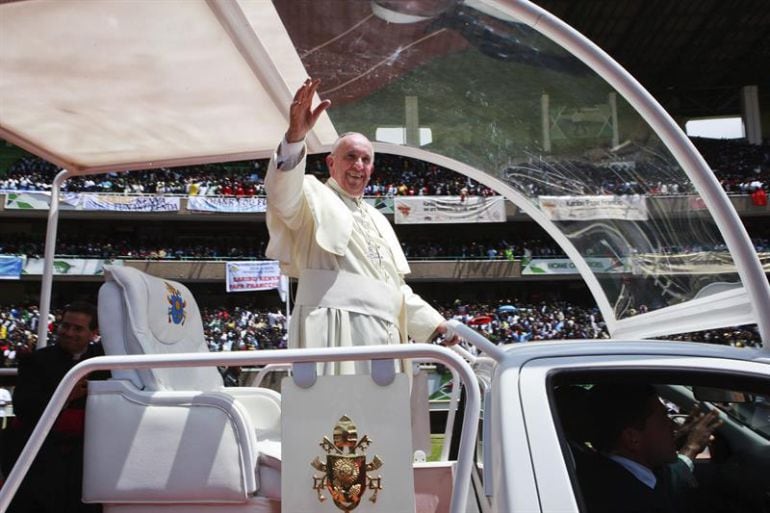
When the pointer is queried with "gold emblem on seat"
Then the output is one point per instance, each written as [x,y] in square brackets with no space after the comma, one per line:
[346,476]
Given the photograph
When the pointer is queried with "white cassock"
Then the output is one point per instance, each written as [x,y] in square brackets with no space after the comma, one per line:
[348,261]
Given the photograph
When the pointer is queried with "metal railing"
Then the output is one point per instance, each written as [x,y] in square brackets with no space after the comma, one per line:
[462,475]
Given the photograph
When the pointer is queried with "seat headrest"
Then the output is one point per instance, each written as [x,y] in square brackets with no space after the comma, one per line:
[160,311]
[162,317]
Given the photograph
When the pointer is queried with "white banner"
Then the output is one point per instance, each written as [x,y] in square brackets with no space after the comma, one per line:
[130,203]
[702,262]
[449,209]
[226,204]
[40,200]
[252,275]
[586,208]
[70,266]
[566,266]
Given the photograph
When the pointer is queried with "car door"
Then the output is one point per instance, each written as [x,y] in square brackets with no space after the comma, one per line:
[550,460]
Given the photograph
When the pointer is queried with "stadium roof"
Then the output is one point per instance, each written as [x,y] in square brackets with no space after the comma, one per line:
[693,55]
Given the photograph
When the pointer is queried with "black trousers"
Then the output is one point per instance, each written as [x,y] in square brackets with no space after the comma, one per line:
[55,480]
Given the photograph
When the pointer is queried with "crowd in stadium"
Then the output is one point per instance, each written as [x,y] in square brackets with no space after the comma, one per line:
[395,176]
[739,166]
[223,248]
[95,246]
[252,328]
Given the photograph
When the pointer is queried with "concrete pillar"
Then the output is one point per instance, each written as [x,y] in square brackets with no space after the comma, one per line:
[751,115]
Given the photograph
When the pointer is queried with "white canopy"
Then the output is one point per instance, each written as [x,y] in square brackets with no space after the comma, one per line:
[117,85]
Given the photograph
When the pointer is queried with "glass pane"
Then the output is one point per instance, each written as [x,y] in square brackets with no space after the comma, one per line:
[493,93]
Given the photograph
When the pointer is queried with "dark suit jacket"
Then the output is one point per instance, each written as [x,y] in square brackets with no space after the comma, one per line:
[39,374]
[608,487]
[54,480]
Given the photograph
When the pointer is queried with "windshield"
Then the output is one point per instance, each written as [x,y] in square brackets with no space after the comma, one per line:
[462,84]
[754,413]
[540,126]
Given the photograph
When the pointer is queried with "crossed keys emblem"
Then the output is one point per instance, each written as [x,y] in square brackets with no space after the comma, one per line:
[346,476]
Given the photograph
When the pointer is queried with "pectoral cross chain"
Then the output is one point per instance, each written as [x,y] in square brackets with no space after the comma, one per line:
[374,253]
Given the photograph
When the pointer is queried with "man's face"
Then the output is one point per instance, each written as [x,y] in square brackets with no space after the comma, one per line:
[73,333]
[351,164]
[656,440]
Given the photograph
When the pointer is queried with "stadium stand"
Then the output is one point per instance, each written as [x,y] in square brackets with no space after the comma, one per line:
[240,325]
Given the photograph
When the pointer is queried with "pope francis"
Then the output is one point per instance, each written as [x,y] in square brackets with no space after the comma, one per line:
[343,251]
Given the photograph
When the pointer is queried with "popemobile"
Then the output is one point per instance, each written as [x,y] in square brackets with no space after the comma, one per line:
[509,96]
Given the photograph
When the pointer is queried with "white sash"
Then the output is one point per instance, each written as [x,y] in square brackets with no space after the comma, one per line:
[351,292]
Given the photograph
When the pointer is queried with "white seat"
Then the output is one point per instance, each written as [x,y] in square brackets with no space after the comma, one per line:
[173,435]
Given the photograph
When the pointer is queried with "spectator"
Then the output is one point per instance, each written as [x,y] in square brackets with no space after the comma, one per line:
[249,327]
[6,403]
[58,467]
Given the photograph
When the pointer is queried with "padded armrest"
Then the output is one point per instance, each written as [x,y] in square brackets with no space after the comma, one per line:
[263,406]
[191,447]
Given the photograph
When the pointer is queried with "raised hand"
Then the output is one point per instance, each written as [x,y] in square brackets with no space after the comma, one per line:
[699,429]
[302,117]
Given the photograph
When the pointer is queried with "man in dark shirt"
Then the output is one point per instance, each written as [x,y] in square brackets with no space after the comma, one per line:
[54,481]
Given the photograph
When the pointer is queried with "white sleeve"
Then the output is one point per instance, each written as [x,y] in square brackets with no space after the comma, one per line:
[283,186]
[289,154]
[421,318]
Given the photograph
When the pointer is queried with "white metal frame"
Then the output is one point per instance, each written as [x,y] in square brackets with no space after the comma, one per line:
[49,252]
[462,474]
[688,316]
[727,220]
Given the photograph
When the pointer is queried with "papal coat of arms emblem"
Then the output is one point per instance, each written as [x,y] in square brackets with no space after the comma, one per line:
[345,474]
[176,312]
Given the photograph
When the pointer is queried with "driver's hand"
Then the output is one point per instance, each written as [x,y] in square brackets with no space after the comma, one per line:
[699,429]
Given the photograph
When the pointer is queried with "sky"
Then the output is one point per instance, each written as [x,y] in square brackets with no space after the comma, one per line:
[716,128]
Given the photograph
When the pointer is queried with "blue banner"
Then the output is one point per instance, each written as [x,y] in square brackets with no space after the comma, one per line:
[11,266]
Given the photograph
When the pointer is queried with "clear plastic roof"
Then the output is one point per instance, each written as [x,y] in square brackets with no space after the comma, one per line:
[473,85]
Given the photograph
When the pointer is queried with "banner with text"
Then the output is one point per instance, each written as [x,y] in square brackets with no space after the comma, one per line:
[70,266]
[248,276]
[226,204]
[701,262]
[566,266]
[11,266]
[587,208]
[449,209]
[130,203]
